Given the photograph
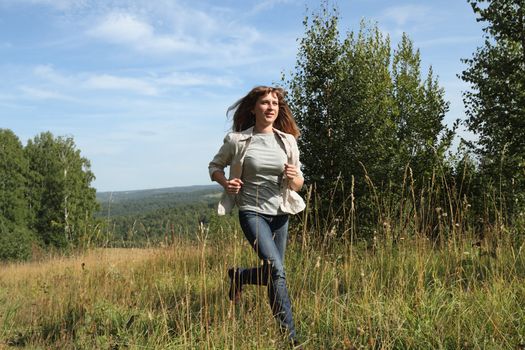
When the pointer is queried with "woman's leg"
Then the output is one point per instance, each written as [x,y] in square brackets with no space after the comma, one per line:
[279,227]
[259,230]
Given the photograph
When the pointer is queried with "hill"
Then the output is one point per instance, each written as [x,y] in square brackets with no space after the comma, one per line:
[124,203]
[151,217]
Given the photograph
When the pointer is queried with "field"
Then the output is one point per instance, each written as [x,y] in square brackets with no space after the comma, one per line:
[415,294]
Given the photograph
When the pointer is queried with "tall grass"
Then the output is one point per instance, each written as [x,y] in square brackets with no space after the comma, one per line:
[425,279]
[410,295]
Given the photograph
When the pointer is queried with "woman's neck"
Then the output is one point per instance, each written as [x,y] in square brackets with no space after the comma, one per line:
[263,129]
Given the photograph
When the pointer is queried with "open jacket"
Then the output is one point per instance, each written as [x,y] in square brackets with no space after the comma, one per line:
[232,153]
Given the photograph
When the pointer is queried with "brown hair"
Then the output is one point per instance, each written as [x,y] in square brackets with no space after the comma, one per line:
[243,118]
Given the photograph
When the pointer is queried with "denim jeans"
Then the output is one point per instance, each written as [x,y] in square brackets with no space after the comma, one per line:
[267,235]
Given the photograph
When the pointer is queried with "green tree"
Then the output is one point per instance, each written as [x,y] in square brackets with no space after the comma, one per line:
[62,199]
[419,109]
[496,103]
[364,112]
[340,93]
[15,237]
[314,89]
[15,241]
[13,179]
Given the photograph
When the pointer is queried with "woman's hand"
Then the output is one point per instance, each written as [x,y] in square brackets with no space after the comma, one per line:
[290,171]
[295,181]
[233,186]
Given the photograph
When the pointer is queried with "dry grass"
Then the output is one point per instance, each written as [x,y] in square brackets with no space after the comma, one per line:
[16,272]
[411,295]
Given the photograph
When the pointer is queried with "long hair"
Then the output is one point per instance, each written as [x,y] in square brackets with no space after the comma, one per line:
[243,118]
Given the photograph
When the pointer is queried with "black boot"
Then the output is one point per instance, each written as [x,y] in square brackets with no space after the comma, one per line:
[296,344]
[235,285]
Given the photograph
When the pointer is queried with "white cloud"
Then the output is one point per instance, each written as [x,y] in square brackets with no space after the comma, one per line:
[266,5]
[187,33]
[58,4]
[49,74]
[51,81]
[94,81]
[43,94]
[404,14]
[189,79]
[178,30]
[127,29]
[110,82]
[120,27]
[55,79]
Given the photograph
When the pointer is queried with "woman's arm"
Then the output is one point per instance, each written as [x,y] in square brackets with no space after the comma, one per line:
[223,158]
[231,186]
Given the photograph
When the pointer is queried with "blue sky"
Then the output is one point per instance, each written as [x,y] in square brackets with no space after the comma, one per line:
[143,86]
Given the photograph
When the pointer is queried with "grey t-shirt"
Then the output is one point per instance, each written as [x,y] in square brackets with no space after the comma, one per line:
[263,169]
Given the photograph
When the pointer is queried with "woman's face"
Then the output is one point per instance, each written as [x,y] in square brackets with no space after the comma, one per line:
[266,110]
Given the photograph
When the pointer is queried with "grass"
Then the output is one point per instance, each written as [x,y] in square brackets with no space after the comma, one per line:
[414,294]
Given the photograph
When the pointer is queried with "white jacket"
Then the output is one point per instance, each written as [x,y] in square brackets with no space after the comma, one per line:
[232,153]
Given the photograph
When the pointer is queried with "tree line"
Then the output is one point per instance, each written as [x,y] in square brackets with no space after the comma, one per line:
[46,198]
[152,217]
[164,226]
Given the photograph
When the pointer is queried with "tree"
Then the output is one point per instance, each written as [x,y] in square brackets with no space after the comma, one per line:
[419,109]
[15,241]
[364,112]
[13,179]
[15,238]
[62,201]
[496,104]
[315,93]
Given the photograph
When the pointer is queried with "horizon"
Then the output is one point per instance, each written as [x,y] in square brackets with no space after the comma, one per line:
[214,184]
[143,87]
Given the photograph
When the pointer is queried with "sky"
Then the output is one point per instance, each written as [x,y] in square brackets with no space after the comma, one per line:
[143,86]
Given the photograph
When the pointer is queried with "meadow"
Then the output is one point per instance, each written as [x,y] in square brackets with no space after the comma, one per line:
[414,293]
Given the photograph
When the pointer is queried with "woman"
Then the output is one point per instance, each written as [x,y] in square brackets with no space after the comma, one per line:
[264,176]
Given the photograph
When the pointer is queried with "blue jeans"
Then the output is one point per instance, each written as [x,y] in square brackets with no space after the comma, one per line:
[267,235]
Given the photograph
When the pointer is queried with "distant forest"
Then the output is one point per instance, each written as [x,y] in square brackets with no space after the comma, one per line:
[138,218]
